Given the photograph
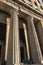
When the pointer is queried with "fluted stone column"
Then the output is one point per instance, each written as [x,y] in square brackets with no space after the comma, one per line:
[33,40]
[39,29]
[16,44]
[12,55]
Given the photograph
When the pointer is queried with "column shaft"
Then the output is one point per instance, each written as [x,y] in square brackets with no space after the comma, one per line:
[36,41]
[33,40]
[39,30]
[16,44]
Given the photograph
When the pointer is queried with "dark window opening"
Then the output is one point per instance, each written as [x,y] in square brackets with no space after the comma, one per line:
[23,46]
[0,51]
[3,25]
[2,31]
[22,54]
[23,49]
[2,41]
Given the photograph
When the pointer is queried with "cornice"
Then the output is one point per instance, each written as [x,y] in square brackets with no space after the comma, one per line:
[23,7]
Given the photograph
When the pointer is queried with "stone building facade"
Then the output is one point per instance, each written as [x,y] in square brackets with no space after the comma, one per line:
[21,32]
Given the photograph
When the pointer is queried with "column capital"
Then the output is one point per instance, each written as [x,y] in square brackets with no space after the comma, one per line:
[14,10]
[29,18]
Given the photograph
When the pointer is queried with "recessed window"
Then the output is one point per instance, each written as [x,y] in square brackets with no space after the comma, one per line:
[0,52]
[2,41]
[23,47]
[22,42]
[3,26]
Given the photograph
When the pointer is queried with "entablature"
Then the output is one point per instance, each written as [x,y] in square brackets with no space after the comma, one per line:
[21,7]
[35,4]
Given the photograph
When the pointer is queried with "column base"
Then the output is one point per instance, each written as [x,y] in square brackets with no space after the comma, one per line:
[27,64]
[19,64]
[14,64]
[3,63]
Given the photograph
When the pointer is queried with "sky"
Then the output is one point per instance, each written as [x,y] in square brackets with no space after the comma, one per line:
[42,0]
